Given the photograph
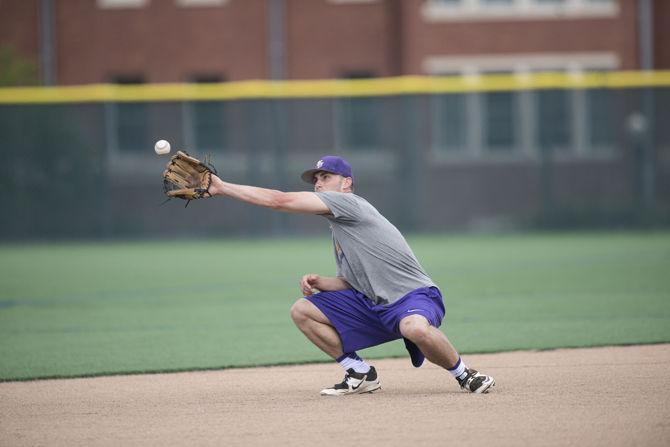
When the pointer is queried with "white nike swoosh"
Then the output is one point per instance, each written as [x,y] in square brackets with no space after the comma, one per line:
[413,310]
[365,377]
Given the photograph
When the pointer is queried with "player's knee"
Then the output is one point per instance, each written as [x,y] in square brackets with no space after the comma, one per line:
[415,328]
[300,311]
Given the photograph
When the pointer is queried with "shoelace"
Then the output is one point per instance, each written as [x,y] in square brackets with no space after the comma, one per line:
[344,383]
[468,379]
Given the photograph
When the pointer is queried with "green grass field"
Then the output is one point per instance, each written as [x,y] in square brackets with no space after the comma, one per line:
[89,309]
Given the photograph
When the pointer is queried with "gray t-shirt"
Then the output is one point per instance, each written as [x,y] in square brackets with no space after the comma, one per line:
[371,254]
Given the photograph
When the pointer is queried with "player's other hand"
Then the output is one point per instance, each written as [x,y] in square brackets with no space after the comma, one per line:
[308,284]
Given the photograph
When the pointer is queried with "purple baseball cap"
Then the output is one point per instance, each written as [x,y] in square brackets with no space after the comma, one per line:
[329,163]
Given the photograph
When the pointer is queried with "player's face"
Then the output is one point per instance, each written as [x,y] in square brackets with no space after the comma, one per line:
[325,181]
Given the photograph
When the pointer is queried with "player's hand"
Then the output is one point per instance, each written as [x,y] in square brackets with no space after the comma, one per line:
[214,188]
[308,284]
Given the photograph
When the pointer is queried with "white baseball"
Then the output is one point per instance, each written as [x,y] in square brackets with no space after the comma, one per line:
[162,147]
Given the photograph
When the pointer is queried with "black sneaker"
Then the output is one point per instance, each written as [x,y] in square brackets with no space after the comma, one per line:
[355,383]
[476,382]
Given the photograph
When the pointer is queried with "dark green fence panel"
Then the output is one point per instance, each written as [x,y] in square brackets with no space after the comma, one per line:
[482,161]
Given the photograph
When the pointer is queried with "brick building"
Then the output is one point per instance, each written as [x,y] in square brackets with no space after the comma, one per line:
[90,41]
[488,159]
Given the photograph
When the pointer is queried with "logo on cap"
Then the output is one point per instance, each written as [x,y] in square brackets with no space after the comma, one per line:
[319,164]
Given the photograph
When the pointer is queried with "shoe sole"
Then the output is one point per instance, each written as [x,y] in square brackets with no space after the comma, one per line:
[485,388]
[371,388]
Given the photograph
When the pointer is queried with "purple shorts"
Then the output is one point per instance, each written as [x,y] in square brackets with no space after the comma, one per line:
[361,324]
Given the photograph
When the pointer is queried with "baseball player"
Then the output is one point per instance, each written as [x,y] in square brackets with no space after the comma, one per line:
[380,292]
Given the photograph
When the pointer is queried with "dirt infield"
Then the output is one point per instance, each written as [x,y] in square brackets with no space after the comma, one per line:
[615,396]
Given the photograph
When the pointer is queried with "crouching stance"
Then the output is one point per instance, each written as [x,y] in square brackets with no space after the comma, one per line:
[380,292]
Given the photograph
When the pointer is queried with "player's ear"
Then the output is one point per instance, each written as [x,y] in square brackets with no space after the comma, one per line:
[347,183]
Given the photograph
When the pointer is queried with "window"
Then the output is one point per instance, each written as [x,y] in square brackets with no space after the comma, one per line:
[209,118]
[601,116]
[132,119]
[449,122]
[359,122]
[477,121]
[358,117]
[500,117]
[207,78]
[577,121]
[554,126]
[662,118]
[357,74]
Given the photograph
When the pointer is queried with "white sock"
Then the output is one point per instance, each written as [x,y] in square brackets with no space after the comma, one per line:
[358,364]
[459,371]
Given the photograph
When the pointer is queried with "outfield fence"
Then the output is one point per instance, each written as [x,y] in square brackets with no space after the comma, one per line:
[490,153]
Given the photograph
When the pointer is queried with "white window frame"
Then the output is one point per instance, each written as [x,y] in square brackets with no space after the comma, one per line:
[344,2]
[122,4]
[521,63]
[200,3]
[469,10]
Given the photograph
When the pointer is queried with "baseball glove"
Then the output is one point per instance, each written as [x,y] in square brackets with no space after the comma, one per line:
[187,178]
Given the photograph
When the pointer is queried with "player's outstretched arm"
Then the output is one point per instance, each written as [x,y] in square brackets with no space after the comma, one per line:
[292,202]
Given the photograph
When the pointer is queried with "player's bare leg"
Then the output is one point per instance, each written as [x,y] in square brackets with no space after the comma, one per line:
[438,349]
[433,343]
[316,327]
